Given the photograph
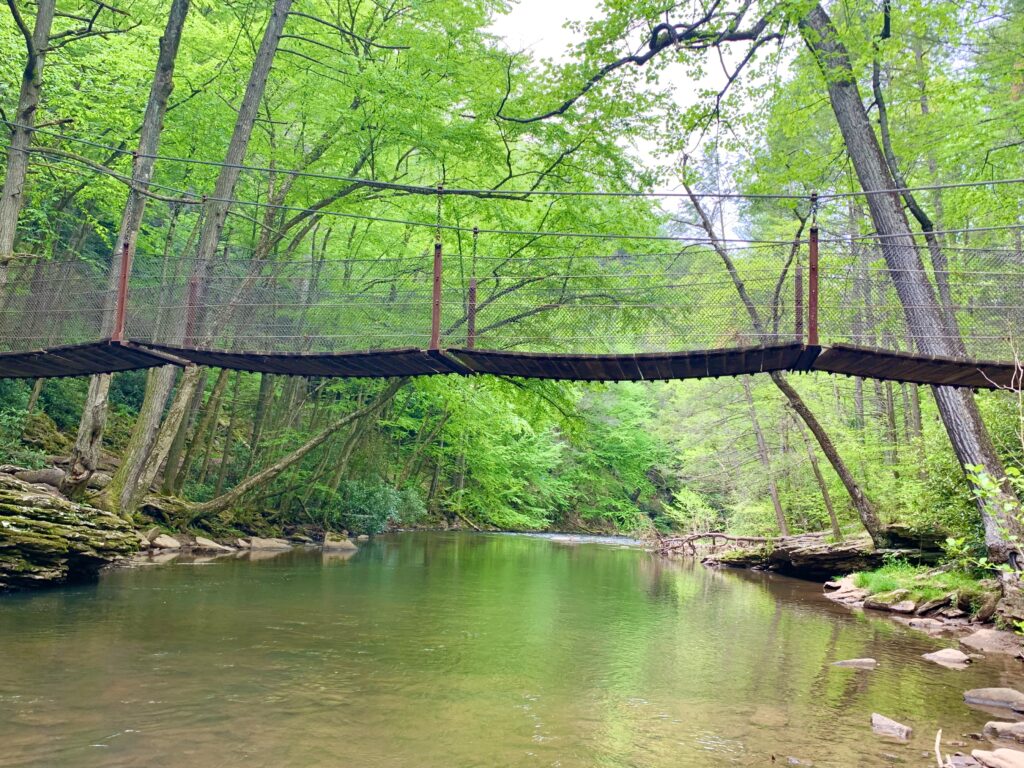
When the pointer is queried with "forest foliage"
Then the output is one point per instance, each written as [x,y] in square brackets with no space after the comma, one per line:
[423,94]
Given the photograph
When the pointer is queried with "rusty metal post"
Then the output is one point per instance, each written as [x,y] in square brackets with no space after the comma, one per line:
[812,288]
[435,315]
[435,309]
[471,315]
[121,306]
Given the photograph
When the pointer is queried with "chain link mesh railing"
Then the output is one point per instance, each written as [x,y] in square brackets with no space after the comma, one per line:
[975,309]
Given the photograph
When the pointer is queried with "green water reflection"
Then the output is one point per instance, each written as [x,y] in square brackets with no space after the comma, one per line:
[461,650]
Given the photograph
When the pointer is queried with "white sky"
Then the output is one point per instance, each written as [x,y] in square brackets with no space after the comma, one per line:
[537,26]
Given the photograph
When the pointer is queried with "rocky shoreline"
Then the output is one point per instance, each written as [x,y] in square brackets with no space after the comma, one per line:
[48,540]
[941,617]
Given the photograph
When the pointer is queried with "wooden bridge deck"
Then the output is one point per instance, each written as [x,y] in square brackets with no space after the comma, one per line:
[109,357]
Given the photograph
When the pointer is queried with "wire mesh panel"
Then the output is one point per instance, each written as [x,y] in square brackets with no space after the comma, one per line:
[623,303]
[46,303]
[971,304]
[265,306]
[613,303]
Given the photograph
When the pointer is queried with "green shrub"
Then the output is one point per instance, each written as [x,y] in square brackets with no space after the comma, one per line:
[360,507]
[923,582]
[13,449]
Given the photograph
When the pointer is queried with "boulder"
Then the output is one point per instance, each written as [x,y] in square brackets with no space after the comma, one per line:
[933,605]
[999,758]
[992,641]
[988,607]
[143,541]
[152,533]
[47,539]
[1010,607]
[884,726]
[163,541]
[242,543]
[362,537]
[259,543]
[950,658]
[99,480]
[300,538]
[884,601]
[333,541]
[999,698]
[903,606]
[202,544]
[48,476]
[996,729]
[856,663]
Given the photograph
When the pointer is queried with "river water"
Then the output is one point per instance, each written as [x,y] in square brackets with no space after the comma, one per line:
[438,649]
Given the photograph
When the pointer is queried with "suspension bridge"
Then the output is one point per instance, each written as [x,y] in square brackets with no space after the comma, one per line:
[549,305]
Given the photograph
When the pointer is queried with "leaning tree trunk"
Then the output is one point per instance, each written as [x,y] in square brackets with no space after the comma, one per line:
[85,454]
[264,476]
[13,195]
[922,311]
[865,509]
[153,450]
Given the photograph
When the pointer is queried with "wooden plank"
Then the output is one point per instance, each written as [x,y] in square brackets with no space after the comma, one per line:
[74,360]
[869,362]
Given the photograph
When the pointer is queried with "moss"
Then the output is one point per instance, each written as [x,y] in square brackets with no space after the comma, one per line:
[42,433]
[924,583]
[44,538]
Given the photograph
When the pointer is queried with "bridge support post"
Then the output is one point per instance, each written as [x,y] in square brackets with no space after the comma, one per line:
[435,314]
[812,288]
[121,305]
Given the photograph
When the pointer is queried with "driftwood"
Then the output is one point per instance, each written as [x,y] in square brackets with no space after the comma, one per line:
[676,545]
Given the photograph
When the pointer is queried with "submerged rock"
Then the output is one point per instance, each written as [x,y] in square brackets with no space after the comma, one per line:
[950,658]
[1000,698]
[856,663]
[46,539]
[885,726]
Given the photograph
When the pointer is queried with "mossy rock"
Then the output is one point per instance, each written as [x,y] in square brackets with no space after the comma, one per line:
[41,433]
[46,539]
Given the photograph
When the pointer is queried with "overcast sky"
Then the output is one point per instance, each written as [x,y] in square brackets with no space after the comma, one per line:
[537,26]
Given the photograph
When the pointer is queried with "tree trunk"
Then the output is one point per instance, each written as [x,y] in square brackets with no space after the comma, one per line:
[923,314]
[94,416]
[232,423]
[13,195]
[211,419]
[215,214]
[865,509]
[128,482]
[762,455]
[173,467]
